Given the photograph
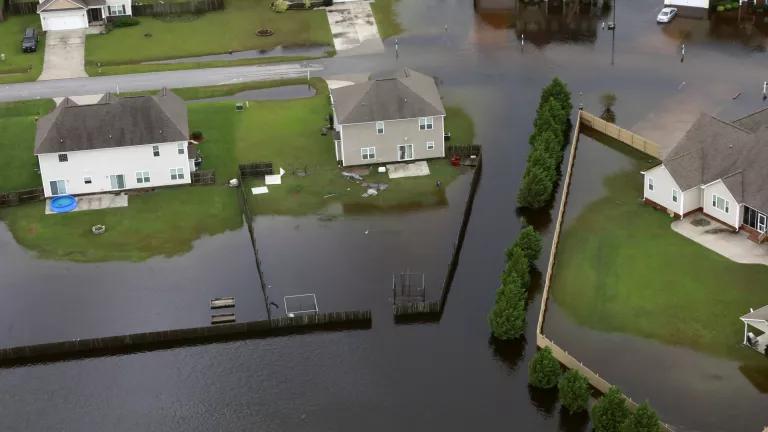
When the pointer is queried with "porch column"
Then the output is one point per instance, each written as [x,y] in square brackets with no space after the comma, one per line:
[745,332]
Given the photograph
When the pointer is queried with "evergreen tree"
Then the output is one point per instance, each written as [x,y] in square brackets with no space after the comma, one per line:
[610,412]
[558,90]
[517,264]
[644,419]
[544,369]
[529,241]
[507,318]
[547,143]
[537,187]
[573,391]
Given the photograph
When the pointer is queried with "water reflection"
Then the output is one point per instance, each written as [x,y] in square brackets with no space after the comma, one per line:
[544,22]
[545,400]
[745,26]
[509,352]
[577,422]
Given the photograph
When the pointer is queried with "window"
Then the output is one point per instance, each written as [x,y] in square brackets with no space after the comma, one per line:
[117,181]
[379,128]
[405,152]
[156,151]
[177,173]
[116,10]
[63,157]
[720,203]
[58,187]
[180,147]
[675,194]
[142,177]
[87,180]
[368,153]
[650,183]
[430,145]
[426,123]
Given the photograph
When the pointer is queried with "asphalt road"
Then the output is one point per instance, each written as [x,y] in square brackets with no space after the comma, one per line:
[154,80]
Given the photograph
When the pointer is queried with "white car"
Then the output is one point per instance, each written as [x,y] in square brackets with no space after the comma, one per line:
[666,15]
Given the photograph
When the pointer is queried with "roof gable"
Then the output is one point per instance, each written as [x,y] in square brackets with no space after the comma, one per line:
[53,5]
[116,122]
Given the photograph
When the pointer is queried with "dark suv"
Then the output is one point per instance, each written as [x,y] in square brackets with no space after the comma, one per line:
[29,42]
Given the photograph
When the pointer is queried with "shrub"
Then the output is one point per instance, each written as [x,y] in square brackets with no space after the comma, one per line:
[125,21]
[573,391]
[507,319]
[280,6]
[544,370]
[537,187]
[610,412]
[558,90]
[529,241]
[720,8]
[644,419]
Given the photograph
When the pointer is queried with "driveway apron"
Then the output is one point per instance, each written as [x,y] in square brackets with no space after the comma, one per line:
[64,55]
[354,28]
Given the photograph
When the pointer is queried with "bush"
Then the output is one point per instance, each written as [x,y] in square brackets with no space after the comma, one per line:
[529,241]
[544,370]
[537,187]
[125,21]
[610,412]
[720,8]
[280,6]
[507,319]
[573,391]
[644,419]
[518,265]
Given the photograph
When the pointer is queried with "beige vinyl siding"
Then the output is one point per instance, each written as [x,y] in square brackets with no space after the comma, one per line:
[663,184]
[691,199]
[396,132]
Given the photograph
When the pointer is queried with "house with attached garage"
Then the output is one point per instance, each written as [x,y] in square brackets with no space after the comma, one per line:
[718,168]
[79,14]
[117,144]
[400,117]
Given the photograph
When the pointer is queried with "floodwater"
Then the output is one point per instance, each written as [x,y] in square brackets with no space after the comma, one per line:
[437,376]
[273,93]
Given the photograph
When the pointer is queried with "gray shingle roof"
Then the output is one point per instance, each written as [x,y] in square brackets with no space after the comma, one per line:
[736,153]
[403,95]
[113,122]
[760,314]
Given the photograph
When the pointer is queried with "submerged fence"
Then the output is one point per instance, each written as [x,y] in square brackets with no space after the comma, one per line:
[627,137]
[165,339]
[8,199]
[543,341]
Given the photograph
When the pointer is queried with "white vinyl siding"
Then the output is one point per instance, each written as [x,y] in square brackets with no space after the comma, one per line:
[720,204]
[662,189]
[355,137]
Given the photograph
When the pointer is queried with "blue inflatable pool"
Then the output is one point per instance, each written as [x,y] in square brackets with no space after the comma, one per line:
[63,203]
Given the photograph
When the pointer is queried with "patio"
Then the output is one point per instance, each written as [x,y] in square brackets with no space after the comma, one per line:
[721,239]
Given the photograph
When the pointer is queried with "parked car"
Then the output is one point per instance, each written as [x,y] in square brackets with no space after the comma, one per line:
[666,15]
[29,41]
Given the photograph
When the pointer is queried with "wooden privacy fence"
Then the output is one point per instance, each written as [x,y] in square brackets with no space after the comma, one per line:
[21,8]
[8,199]
[463,150]
[255,169]
[627,137]
[176,8]
[204,177]
[164,339]
[542,341]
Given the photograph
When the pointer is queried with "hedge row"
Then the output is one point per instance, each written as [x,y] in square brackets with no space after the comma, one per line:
[550,133]
[507,318]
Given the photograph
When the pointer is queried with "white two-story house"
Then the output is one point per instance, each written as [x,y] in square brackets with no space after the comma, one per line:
[116,144]
[79,14]
[718,168]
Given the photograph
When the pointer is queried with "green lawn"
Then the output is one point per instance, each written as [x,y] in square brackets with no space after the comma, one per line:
[167,221]
[385,13]
[94,70]
[233,28]
[164,222]
[17,140]
[287,133]
[621,268]
[19,67]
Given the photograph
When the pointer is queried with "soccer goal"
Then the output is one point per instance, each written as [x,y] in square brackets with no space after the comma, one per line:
[300,304]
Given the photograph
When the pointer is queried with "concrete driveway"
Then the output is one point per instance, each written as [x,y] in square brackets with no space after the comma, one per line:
[64,55]
[354,28]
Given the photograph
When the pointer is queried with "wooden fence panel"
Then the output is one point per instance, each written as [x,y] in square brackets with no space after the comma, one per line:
[625,136]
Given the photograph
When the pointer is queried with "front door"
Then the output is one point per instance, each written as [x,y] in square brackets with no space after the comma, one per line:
[405,152]
[94,15]
[761,222]
[117,181]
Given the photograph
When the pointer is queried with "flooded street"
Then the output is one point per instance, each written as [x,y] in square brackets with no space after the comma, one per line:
[445,376]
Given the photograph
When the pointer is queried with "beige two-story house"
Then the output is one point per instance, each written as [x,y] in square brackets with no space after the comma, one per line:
[397,118]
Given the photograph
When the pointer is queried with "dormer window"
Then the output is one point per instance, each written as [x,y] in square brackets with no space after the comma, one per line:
[63,157]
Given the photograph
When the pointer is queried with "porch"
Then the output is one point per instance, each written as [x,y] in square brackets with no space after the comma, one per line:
[734,245]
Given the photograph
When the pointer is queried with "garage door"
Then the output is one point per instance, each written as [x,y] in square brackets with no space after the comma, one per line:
[64,22]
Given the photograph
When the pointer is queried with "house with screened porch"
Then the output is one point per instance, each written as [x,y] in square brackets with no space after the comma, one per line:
[717,168]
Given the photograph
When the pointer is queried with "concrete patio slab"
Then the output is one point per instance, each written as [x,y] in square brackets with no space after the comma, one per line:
[721,239]
[354,28]
[94,202]
[401,170]
[64,55]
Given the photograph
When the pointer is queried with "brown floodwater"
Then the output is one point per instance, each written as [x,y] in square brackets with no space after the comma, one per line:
[434,376]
